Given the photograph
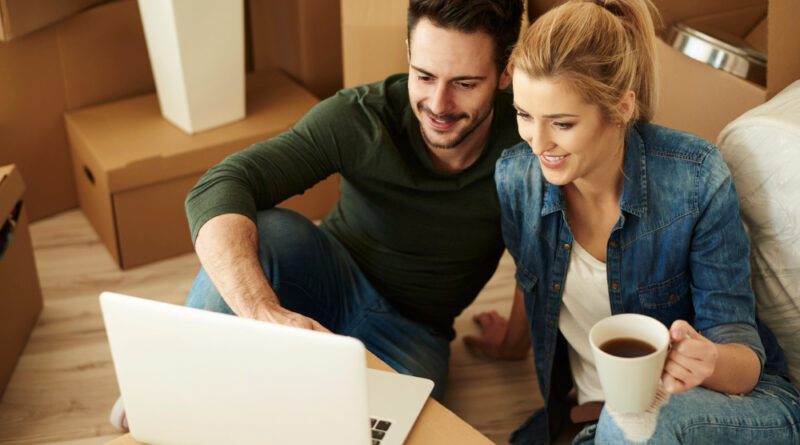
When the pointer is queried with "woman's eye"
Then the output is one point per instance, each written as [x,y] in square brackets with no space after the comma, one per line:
[563,125]
[522,114]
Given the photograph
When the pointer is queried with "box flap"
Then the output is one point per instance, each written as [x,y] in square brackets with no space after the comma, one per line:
[783,42]
[737,22]
[134,145]
[18,17]
[757,37]
[11,189]
[679,10]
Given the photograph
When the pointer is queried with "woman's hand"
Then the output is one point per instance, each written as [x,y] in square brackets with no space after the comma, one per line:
[691,360]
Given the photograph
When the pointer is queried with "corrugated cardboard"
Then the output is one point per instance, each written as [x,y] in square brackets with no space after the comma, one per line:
[697,98]
[702,100]
[20,293]
[301,37]
[199,73]
[96,56]
[373,40]
[19,17]
[133,169]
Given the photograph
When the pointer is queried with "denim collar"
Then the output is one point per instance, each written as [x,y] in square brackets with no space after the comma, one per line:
[634,189]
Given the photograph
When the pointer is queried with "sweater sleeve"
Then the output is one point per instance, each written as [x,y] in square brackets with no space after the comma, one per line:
[266,173]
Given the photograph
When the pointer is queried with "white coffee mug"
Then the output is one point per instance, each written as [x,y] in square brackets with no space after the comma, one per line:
[629,384]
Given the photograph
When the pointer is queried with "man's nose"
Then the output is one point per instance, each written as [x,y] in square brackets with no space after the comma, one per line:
[439,102]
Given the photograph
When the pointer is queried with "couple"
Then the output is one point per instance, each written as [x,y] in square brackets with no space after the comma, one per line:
[603,213]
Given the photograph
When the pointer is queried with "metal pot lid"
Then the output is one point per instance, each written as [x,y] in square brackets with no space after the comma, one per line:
[722,51]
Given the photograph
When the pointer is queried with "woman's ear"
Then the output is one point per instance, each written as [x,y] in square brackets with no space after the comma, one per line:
[627,106]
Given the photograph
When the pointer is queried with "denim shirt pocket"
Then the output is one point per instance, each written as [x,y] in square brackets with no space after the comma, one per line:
[667,300]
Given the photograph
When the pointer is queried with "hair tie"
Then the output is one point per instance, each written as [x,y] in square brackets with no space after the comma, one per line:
[611,7]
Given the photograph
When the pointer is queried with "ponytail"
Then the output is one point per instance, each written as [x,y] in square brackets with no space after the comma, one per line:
[603,48]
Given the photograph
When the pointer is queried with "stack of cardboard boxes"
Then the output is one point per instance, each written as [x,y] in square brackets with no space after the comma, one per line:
[97,56]
[84,64]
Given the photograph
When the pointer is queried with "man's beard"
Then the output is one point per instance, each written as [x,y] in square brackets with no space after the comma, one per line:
[459,138]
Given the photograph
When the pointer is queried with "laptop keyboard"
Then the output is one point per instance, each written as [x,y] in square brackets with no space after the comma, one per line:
[379,428]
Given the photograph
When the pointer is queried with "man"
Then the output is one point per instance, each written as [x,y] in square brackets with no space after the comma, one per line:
[416,233]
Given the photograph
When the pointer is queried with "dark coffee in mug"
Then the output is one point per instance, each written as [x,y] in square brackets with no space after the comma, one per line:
[627,347]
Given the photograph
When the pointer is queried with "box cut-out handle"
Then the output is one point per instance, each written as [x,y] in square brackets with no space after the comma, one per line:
[88,174]
[8,228]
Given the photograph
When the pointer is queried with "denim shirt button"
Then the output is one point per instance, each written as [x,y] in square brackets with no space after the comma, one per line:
[566,246]
[613,244]
[551,323]
[614,286]
[547,355]
[558,286]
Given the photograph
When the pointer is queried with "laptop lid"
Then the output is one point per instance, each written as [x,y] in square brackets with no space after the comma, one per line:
[195,377]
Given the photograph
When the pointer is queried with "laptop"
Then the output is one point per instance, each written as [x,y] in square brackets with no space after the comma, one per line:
[189,376]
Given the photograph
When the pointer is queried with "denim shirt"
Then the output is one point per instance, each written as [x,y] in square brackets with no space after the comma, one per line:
[678,251]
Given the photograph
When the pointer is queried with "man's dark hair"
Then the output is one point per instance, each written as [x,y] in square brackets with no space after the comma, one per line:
[500,19]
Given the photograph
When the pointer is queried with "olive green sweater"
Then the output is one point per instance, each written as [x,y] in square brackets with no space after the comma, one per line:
[428,241]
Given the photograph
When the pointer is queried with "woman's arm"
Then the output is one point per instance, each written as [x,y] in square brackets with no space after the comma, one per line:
[695,360]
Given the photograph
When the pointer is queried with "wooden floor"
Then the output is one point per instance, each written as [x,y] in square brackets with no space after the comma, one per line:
[64,384]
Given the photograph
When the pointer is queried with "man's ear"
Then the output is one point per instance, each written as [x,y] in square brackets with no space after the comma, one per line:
[408,52]
[505,80]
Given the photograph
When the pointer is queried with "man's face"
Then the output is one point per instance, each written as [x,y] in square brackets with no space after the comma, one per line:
[452,84]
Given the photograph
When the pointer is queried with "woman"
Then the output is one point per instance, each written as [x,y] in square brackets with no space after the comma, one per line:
[605,213]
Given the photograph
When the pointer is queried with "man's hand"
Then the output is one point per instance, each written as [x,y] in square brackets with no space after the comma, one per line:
[492,340]
[277,314]
[691,360]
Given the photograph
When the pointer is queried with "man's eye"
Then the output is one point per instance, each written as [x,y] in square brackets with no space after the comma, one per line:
[466,85]
[425,78]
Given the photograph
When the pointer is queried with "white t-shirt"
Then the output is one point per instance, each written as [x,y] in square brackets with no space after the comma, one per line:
[584,302]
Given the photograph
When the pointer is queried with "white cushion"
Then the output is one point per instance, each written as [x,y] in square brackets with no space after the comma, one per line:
[762,150]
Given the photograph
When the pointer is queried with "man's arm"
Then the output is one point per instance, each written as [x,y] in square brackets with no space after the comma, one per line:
[501,338]
[227,246]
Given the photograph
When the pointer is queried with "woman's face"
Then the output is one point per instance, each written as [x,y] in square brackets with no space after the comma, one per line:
[572,139]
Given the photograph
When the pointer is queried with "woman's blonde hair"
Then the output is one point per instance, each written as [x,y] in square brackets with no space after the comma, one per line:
[602,48]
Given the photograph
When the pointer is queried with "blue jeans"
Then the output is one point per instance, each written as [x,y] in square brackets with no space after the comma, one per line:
[314,275]
[770,414]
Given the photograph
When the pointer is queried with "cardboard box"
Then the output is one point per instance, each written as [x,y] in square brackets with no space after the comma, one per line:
[301,37]
[700,99]
[20,293]
[93,57]
[133,169]
[19,17]
[373,40]
[199,74]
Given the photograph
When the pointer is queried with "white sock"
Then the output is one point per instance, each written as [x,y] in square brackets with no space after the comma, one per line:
[639,427]
[118,417]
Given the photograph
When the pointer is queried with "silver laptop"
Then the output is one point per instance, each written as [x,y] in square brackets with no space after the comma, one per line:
[189,376]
